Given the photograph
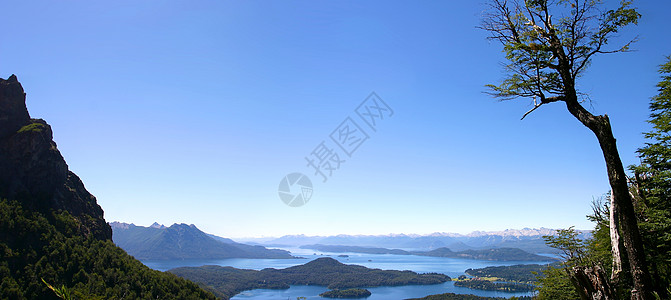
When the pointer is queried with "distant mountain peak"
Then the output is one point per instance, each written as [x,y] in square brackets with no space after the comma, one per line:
[182,241]
[157,225]
[526,232]
[120,225]
[179,225]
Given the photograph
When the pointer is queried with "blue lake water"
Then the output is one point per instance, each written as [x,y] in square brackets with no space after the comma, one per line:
[377,293]
[452,267]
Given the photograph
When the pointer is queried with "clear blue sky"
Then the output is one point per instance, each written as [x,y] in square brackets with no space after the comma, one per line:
[192,111]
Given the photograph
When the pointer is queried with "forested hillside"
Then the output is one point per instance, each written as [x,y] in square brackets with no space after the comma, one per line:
[35,246]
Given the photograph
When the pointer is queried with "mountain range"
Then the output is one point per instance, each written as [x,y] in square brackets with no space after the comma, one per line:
[527,239]
[182,241]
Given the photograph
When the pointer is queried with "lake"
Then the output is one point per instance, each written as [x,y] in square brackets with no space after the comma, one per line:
[452,267]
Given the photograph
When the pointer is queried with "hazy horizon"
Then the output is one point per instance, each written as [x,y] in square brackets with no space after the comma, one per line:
[358,234]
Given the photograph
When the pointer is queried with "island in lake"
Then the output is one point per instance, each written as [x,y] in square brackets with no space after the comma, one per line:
[325,271]
[346,293]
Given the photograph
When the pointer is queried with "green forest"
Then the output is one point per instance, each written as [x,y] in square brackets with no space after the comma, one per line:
[346,293]
[36,247]
[514,273]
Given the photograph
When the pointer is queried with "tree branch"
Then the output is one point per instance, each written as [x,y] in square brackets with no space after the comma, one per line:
[544,100]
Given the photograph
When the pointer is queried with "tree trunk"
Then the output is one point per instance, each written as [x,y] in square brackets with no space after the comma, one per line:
[622,200]
[615,241]
[591,283]
[624,205]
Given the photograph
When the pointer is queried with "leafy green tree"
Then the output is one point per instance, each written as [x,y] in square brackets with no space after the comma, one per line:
[549,45]
[582,259]
[554,284]
[574,249]
[652,186]
[61,292]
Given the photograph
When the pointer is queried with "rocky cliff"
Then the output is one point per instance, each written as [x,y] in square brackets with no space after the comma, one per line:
[32,169]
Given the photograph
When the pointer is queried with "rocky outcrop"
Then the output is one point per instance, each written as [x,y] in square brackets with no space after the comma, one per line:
[13,112]
[33,171]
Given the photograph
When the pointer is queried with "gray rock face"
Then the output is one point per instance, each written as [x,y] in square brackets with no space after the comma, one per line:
[33,171]
[13,112]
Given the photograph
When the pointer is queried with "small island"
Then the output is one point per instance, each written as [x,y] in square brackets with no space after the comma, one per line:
[347,293]
[487,285]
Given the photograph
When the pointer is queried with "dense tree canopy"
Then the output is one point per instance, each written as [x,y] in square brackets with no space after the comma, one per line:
[652,185]
[346,293]
[36,247]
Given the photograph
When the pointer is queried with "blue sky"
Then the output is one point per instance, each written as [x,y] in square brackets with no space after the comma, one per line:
[193,111]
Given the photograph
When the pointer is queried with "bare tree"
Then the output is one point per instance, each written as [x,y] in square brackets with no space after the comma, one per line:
[548,45]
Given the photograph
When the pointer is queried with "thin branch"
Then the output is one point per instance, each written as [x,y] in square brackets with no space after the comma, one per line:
[531,110]
[543,101]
